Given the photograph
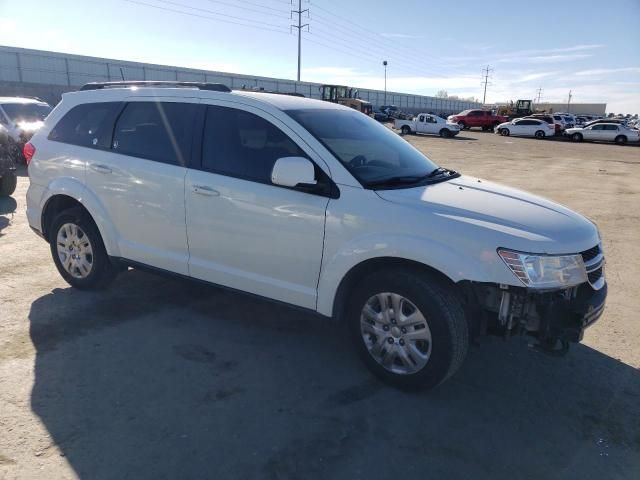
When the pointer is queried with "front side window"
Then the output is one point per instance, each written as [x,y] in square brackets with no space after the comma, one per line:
[240,144]
[26,112]
[370,151]
[159,131]
[87,125]
[422,118]
[597,127]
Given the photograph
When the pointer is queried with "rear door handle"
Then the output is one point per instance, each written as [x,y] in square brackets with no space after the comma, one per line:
[100,168]
[205,190]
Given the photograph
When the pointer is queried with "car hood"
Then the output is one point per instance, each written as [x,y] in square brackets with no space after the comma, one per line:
[509,217]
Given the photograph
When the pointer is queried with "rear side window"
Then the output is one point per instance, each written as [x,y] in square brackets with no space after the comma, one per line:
[159,131]
[87,125]
[241,144]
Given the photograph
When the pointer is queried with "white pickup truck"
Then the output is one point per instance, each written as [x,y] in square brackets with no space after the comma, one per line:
[427,123]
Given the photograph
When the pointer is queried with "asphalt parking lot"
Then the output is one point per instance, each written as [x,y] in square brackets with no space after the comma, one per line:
[163,378]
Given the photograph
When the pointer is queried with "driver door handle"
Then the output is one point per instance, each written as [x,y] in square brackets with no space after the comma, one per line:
[205,190]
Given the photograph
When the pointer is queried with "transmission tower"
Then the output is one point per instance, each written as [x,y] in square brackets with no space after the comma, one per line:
[300,26]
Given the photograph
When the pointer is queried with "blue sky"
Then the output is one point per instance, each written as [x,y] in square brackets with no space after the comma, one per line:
[590,47]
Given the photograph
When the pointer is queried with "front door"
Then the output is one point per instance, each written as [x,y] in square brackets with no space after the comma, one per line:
[244,232]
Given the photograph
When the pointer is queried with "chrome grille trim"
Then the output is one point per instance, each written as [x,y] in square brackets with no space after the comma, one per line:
[593,260]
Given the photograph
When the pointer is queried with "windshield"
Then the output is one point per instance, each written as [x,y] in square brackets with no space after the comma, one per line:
[26,112]
[370,151]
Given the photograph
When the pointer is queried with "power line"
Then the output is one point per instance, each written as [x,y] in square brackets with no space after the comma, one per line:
[485,74]
[167,9]
[283,13]
[379,37]
[300,26]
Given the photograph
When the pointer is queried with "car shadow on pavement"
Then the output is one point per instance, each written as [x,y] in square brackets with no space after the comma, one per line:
[8,206]
[165,378]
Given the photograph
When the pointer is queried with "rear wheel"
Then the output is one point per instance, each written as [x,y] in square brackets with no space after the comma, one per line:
[621,139]
[8,184]
[504,132]
[78,251]
[405,130]
[539,134]
[576,137]
[409,328]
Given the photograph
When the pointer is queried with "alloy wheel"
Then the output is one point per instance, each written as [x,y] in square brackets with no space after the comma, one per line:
[395,333]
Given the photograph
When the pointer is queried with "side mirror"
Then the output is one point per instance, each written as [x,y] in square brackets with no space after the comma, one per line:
[293,172]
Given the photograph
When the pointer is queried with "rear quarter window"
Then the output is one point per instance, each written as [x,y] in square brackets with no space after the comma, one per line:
[87,125]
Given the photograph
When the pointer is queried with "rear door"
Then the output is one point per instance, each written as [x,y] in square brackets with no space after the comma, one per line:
[140,180]
[610,132]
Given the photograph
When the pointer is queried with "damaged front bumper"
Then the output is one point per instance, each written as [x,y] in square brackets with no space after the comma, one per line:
[550,316]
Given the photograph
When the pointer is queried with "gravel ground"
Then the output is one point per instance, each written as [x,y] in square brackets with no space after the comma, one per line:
[163,378]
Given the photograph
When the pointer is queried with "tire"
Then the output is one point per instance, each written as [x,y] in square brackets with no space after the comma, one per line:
[539,134]
[621,139]
[445,133]
[100,272]
[504,132]
[462,125]
[405,130]
[426,363]
[576,137]
[8,184]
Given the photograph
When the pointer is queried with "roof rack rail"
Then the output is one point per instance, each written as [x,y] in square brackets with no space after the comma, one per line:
[262,90]
[214,87]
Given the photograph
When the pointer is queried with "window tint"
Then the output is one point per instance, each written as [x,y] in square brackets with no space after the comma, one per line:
[611,127]
[87,125]
[241,144]
[598,127]
[159,131]
[528,122]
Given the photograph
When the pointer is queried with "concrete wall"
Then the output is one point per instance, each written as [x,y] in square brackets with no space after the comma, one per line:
[48,74]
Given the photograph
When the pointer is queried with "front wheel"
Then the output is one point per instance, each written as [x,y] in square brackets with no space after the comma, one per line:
[405,130]
[621,139]
[78,251]
[8,184]
[576,137]
[504,132]
[445,133]
[539,134]
[408,327]
[462,125]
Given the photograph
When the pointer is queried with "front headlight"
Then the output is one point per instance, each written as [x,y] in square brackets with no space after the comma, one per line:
[545,271]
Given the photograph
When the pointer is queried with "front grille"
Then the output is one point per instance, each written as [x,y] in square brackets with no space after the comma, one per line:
[594,265]
[590,254]
[594,275]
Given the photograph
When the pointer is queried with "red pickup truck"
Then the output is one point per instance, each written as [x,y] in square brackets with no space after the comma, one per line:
[477,118]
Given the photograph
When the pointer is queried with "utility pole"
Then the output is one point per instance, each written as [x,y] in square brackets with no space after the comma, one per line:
[300,26]
[539,95]
[385,63]
[485,74]
[569,102]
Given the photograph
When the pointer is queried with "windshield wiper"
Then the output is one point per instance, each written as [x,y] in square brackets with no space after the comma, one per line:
[398,180]
[440,171]
[414,179]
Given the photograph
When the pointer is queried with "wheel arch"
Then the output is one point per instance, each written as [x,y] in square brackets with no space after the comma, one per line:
[60,200]
[371,266]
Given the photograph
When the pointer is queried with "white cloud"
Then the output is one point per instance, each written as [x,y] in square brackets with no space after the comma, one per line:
[605,71]
[400,35]
[534,76]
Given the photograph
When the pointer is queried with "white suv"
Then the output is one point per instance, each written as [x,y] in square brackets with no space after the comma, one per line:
[312,204]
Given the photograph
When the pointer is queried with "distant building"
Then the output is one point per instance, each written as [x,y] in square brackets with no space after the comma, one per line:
[575,108]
